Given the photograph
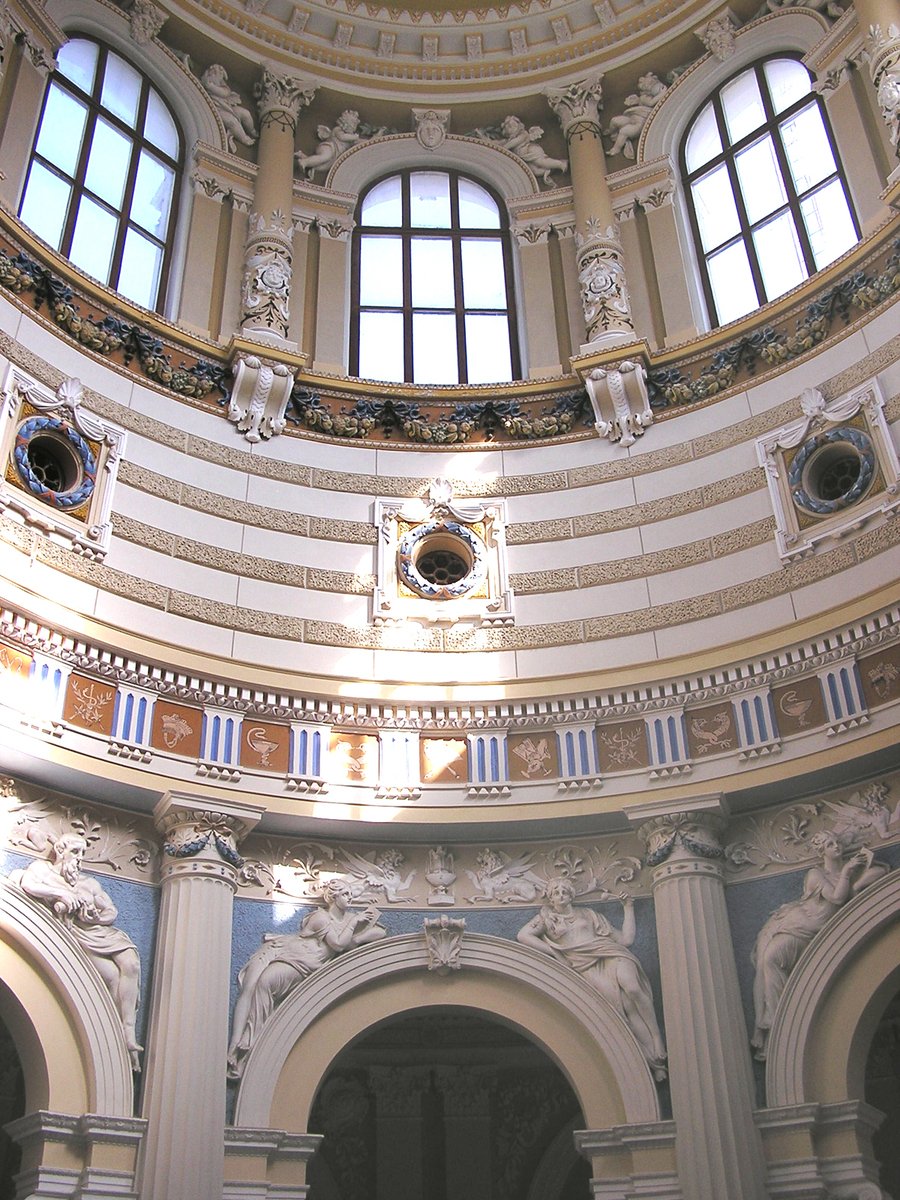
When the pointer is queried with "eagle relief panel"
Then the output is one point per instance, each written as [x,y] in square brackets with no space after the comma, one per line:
[532,756]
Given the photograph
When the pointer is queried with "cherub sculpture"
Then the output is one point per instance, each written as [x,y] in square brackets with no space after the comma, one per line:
[233,113]
[333,141]
[523,141]
[627,128]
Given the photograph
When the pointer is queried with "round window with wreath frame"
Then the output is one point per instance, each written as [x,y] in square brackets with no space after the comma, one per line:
[55,463]
[832,471]
[442,560]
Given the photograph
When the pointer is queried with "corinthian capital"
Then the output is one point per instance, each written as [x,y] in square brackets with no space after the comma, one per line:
[280,97]
[578,105]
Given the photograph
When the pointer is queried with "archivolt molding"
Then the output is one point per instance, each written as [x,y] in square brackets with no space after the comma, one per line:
[800,1011]
[85,999]
[577,1003]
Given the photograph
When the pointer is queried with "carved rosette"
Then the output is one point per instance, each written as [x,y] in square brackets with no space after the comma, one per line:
[266,286]
[884,64]
[280,97]
[578,106]
[604,292]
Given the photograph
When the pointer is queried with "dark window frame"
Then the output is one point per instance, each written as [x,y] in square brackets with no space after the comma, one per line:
[728,156]
[79,189]
[406,231]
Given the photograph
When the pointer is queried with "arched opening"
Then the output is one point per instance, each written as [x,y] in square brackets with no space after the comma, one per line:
[883,1092]
[449,1104]
[12,1106]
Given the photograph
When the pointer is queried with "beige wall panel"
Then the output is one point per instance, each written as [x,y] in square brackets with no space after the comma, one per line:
[730,514]
[310,552]
[709,468]
[572,551]
[608,654]
[586,602]
[174,573]
[570,502]
[165,515]
[293,497]
[193,635]
[743,567]
[472,667]
[698,636]
[845,587]
[263,597]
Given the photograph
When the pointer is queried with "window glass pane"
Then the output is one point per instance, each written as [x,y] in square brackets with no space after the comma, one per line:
[108,162]
[121,89]
[434,348]
[382,205]
[761,184]
[92,244]
[703,141]
[429,200]
[828,223]
[152,194]
[487,349]
[788,82]
[45,204]
[716,211]
[159,128]
[62,128]
[780,257]
[432,273]
[77,60]
[141,265]
[381,346]
[743,106]
[808,148]
[381,271]
[477,208]
[731,283]
[484,283]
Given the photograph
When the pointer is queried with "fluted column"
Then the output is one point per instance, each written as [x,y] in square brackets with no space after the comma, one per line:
[268,258]
[880,21]
[718,1147]
[184,1097]
[601,273]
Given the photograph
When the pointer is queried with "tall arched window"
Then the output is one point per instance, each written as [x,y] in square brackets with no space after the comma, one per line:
[103,180]
[766,195]
[432,283]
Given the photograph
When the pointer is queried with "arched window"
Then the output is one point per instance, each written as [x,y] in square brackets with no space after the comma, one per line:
[103,181]
[432,283]
[766,195]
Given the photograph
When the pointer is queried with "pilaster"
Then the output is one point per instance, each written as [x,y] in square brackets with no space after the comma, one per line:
[718,1146]
[184,1098]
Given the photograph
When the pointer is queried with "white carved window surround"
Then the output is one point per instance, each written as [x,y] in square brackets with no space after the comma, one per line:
[832,471]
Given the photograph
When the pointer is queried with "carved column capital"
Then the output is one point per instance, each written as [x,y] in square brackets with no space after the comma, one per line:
[690,834]
[578,106]
[199,840]
[280,98]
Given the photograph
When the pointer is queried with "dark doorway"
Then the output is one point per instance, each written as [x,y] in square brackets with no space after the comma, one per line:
[448,1105]
[883,1092]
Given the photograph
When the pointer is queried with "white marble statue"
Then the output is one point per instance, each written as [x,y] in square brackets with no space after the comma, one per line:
[88,913]
[333,141]
[524,141]
[626,128]
[791,928]
[272,973]
[593,947]
[233,112]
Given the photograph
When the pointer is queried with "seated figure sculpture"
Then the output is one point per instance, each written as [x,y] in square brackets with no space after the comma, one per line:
[592,946]
[88,913]
[283,960]
[790,929]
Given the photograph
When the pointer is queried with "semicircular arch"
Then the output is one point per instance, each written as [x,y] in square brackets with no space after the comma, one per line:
[61,1015]
[359,166]
[528,990]
[833,1000]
